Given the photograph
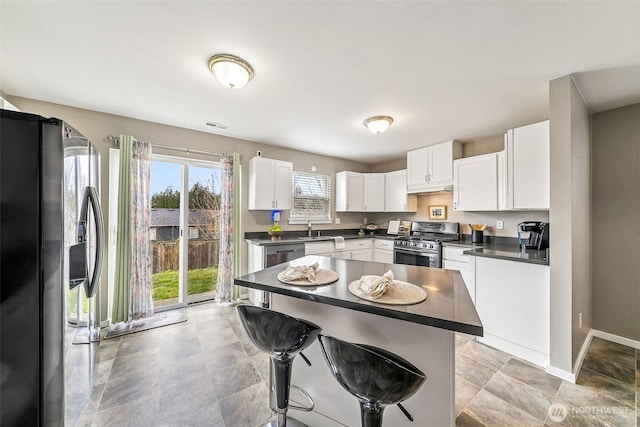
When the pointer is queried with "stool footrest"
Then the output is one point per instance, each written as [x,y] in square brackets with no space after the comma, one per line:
[303,408]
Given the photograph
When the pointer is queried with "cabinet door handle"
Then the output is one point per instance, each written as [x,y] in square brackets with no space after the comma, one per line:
[276,203]
[426,178]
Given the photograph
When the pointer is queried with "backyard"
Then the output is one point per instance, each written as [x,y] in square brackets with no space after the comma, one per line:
[201,280]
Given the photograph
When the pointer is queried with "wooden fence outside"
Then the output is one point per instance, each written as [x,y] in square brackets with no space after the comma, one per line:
[202,254]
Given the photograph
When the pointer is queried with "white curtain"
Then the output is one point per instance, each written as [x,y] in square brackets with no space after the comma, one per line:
[132,298]
[229,263]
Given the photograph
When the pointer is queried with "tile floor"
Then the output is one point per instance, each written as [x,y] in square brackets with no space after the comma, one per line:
[206,372]
[496,389]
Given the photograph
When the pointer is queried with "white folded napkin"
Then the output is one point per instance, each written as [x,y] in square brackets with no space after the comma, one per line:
[307,272]
[376,286]
[339,242]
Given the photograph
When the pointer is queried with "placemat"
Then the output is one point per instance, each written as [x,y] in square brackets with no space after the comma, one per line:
[323,277]
[401,293]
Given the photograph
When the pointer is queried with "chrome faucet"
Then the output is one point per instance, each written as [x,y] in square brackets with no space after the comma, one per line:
[309,229]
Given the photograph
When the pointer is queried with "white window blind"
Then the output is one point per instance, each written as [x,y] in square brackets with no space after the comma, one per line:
[311,198]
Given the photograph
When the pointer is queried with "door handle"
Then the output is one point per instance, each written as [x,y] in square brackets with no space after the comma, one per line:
[91,197]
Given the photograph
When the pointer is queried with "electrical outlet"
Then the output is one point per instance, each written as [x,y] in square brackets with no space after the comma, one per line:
[499,224]
[337,221]
[365,220]
[580,320]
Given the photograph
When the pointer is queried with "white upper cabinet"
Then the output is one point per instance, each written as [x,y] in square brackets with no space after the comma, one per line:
[270,184]
[475,183]
[527,183]
[349,192]
[396,198]
[431,168]
[374,192]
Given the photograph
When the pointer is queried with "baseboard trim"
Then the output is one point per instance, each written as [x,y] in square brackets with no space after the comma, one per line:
[562,374]
[615,338]
[531,356]
[583,353]
[572,376]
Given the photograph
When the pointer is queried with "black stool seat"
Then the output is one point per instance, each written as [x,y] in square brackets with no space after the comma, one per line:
[373,375]
[282,337]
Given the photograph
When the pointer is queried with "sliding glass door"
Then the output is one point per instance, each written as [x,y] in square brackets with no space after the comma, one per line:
[185,207]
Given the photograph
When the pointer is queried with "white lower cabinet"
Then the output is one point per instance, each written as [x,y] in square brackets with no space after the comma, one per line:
[454,259]
[358,255]
[513,301]
[319,248]
[358,249]
[383,251]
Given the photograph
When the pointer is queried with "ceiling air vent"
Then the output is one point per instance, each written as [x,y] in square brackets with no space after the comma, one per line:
[217,125]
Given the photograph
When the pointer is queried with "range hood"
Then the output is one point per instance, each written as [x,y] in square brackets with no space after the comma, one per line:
[443,188]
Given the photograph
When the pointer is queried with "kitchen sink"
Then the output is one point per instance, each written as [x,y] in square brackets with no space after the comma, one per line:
[314,238]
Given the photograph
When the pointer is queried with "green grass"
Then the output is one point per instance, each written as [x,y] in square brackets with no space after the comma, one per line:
[165,284]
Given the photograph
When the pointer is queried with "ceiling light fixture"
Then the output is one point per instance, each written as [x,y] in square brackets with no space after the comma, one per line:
[232,71]
[378,124]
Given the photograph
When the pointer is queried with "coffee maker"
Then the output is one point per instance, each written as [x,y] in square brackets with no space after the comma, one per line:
[533,235]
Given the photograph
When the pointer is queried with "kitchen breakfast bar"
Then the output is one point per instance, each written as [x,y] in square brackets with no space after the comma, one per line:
[422,333]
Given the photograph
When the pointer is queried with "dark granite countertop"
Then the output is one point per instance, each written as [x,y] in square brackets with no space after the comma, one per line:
[448,305]
[505,248]
[531,256]
[295,237]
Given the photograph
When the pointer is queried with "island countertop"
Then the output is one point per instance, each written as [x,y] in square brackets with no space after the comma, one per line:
[448,304]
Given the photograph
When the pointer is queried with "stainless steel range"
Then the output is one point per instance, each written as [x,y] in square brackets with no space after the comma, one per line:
[422,246]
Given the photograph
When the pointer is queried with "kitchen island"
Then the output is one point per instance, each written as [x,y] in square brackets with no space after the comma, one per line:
[421,333]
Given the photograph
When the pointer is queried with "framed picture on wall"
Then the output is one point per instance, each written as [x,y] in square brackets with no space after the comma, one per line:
[438,212]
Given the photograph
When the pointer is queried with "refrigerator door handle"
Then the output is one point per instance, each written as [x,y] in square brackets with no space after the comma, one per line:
[91,197]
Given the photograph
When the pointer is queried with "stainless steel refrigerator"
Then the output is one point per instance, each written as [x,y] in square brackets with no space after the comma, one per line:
[50,241]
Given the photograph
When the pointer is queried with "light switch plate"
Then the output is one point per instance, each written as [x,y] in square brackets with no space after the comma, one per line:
[337,221]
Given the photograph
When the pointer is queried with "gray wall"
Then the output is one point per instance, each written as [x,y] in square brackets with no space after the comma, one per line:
[570,221]
[616,222]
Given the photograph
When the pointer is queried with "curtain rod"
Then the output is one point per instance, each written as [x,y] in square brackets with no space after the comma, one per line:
[116,141]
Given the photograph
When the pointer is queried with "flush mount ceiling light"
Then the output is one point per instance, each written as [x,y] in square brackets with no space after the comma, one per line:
[378,124]
[232,71]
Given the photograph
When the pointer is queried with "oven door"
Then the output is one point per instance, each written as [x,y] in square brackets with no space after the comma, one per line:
[422,259]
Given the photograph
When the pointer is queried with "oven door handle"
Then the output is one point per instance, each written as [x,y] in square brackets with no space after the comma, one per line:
[417,253]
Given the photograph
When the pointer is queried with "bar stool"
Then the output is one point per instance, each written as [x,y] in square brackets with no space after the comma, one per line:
[282,337]
[375,376]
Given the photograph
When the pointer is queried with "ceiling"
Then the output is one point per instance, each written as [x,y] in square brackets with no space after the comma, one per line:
[442,70]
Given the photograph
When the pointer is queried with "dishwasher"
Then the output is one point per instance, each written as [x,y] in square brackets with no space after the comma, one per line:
[274,255]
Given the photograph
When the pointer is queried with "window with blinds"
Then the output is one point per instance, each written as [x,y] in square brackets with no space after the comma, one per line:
[311,198]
